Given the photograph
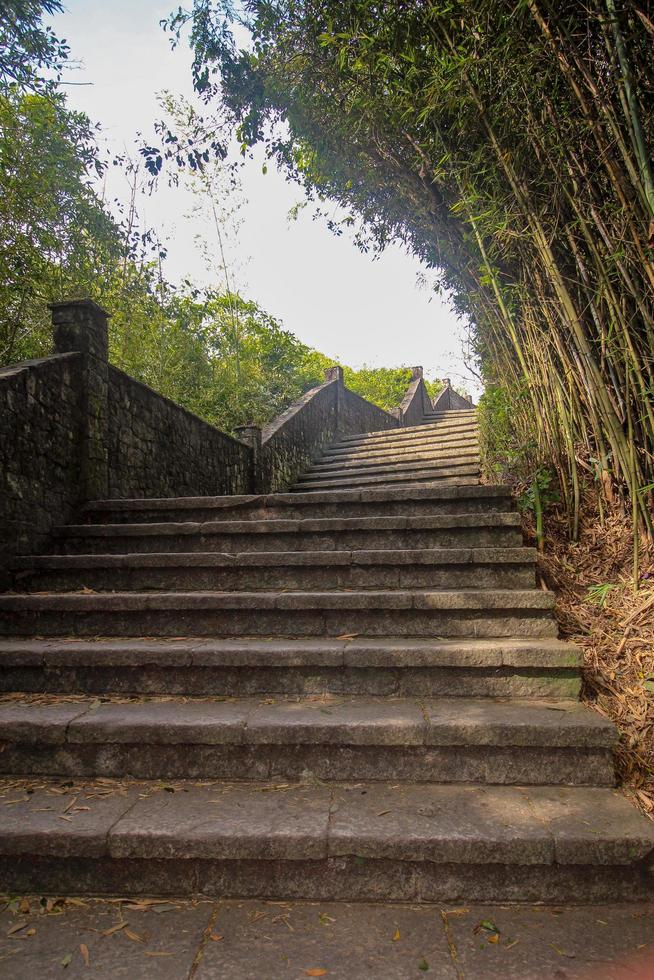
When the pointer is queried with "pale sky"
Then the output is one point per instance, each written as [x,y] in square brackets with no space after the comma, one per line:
[321,287]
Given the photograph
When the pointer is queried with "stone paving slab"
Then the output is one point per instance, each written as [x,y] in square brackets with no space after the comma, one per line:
[155,942]
[226,821]
[439,823]
[344,720]
[255,940]
[382,651]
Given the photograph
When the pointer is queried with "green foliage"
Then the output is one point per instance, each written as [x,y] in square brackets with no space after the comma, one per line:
[31,56]
[509,448]
[54,233]
[598,594]
[385,387]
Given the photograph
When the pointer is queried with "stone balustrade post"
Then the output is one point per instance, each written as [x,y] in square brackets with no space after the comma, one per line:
[80,326]
[335,373]
[251,436]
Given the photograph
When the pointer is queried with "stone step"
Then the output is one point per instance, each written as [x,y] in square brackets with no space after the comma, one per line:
[484,529]
[400,452]
[393,501]
[383,666]
[483,613]
[327,738]
[408,442]
[450,414]
[501,568]
[408,465]
[390,476]
[434,431]
[341,841]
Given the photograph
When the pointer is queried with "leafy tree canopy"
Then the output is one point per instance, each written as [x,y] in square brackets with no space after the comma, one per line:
[32,57]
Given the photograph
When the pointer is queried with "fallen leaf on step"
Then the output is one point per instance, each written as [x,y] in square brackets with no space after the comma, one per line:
[84,953]
[396,935]
[117,928]
[423,965]
[316,971]
[67,960]
[134,936]
[17,928]
[215,937]
[562,952]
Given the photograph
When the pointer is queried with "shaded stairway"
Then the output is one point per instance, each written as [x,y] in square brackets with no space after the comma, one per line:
[350,691]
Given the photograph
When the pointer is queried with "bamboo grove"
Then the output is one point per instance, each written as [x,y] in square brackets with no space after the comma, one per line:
[507,144]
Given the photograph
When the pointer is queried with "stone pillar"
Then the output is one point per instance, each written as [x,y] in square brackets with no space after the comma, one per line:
[336,374]
[251,436]
[81,326]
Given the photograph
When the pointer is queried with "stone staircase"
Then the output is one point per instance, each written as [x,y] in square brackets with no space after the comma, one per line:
[442,448]
[353,690]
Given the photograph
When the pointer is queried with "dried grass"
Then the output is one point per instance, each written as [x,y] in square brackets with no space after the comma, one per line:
[614,624]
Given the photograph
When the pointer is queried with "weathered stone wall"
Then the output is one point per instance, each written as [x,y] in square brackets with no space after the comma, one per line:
[448,399]
[358,415]
[297,437]
[158,449]
[416,402]
[40,431]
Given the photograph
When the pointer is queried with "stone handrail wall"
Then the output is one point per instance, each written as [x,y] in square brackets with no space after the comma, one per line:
[40,434]
[356,414]
[448,399]
[159,449]
[288,445]
[297,436]
[416,403]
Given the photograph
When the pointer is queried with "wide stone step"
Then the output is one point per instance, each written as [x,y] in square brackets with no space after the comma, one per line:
[326,738]
[451,413]
[484,529]
[411,443]
[408,464]
[400,452]
[484,613]
[392,501]
[345,841]
[389,476]
[390,437]
[501,568]
[383,666]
